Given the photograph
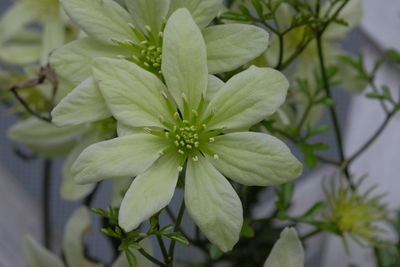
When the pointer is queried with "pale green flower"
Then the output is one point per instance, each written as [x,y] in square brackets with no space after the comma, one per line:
[287,251]
[181,126]
[357,215]
[137,35]
[79,224]
[20,44]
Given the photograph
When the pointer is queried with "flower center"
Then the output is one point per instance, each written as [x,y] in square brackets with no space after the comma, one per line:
[147,52]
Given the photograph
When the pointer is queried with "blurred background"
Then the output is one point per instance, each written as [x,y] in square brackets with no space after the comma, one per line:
[20,180]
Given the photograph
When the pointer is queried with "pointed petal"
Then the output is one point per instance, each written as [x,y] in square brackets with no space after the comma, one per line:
[213,204]
[53,33]
[149,192]
[148,13]
[254,159]
[84,104]
[287,251]
[120,157]
[45,138]
[123,129]
[132,94]
[15,53]
[78,224]
[70,190]
[184,64]
[247,98]
[73,61]
[203,11]
[15,18]
[101,19]
[214,85]
[228,50]
[37,256]
[119,188]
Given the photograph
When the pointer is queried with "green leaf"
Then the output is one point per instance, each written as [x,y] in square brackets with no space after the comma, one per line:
[285,195]
[313,211]
[178,237]
[131,258]
[215,252]
[393,55]
[247,230]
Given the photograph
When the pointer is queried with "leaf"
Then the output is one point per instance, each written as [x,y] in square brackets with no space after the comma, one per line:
[313,211]
[247,230]
[215,252]
[178,237]
[131,258]
[393,55]
[285,195]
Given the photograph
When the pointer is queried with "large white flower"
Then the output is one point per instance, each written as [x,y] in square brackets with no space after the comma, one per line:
[180,127]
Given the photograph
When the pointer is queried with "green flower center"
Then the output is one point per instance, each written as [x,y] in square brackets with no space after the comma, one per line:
[148,51]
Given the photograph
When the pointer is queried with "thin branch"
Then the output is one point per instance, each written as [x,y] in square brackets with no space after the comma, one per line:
[171,250]
[46,207]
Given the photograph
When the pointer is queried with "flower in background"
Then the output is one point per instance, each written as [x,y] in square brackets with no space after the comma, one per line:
[287,251]
[182,126]
[356,214]
[137,36]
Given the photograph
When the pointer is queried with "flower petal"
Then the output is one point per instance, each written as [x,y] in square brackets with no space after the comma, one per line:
[150,13]
[287,251]
[213,204]
[53,33]
[149,192]
[133,94]
[126,156]
[16,53]
[37,256]
[184,59]
[254,159]
[228,50]
[247,98]
[45,138]
[84,104]
[70,190]
[78,224]
[15,18]
[101,19]
[203,11]
[73,61]
[214,85]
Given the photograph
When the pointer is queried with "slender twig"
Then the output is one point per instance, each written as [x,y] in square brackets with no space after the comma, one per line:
[171,250]
[46,207]
[151,258]
[332,109]
[310,234]
[372,139]
[162,247]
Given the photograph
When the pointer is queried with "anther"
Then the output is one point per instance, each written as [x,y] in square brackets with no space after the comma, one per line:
[180,168]
[216,156]
[195,158]
[212,139]
[181,152]
[148,28]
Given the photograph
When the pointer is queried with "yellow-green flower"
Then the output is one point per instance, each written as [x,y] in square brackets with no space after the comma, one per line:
[182,126]
[357,214]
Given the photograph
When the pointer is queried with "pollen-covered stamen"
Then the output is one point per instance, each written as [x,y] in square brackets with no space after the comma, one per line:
[147,51]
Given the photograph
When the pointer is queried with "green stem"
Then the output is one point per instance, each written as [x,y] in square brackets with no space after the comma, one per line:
[162,247]
[171,250]
[46,207]
[332,109]
[151,258]
[310,234]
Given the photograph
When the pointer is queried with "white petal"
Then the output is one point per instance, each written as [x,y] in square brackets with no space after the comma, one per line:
[184,59]
[287,251]
[101,19]
[214,85]
[78,225]
[121,157]
[150,13]
[254,159]
[227,49]
[213,204]
[149,192]
[247,98]
[133,94]
[73,61]
[84,104]
[37,256]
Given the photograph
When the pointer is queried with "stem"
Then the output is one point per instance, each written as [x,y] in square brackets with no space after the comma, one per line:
[151,258]
[281,48]
[46,187]
[162,247]
[310,234]
[332,109]
[171,250]
[372,139]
